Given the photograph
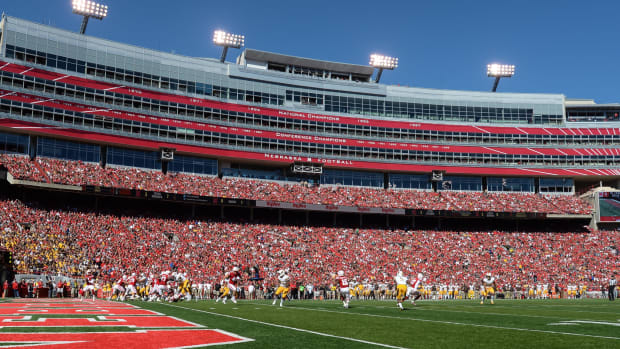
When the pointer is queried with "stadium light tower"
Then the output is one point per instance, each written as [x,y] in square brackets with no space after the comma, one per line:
[499,71]
[226,40]
[382,62]
[89,9]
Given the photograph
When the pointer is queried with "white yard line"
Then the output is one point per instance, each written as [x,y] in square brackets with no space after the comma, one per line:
[288,327]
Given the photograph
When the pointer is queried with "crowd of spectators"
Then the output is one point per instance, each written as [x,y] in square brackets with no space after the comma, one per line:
[80,173]
[70,241]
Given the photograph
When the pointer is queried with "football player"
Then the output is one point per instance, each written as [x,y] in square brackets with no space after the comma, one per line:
[131,286]
[118,290]
[224,290]
[489,286]
[343,288]
[233,283]
[401,289]
[413,290]
[284,288]
[89,285]
[184,286]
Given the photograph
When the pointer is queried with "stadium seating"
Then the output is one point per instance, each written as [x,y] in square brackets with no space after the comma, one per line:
[68,241]
[80,173]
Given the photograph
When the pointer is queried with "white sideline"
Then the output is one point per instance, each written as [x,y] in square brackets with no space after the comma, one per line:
[457,323]
[288,327]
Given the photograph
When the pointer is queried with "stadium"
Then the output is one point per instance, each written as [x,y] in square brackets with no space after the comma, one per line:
[163,186]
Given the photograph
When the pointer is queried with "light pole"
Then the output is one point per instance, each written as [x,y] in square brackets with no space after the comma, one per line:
[226,40]
[89,9]
[382,62]
[499,71]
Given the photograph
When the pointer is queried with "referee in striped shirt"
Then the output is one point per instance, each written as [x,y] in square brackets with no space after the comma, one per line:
[612,286]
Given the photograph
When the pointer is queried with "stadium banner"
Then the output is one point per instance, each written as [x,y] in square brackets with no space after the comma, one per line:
[329,208]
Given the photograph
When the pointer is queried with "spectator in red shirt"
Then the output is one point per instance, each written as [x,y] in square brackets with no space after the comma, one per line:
[15,289]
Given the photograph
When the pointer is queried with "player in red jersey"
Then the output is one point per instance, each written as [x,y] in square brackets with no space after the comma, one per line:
[89,286]
[118,290]
[153,288]
[234,277]
[343,288]
[130,288]
[414,286]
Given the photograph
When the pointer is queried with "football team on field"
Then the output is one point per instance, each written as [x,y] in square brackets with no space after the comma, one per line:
[176,286]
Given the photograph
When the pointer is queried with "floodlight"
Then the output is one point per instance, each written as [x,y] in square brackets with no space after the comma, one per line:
[226,40]
[382,62]
[222,38]
[89,9]
[499,71]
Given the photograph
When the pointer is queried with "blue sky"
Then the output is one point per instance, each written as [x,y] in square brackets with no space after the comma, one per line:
[568,47]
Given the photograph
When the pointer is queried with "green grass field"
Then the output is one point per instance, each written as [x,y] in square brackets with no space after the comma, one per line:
[431,324]
[375,324]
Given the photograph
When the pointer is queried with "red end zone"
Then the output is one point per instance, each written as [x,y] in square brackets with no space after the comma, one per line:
[107,340]
[178,333]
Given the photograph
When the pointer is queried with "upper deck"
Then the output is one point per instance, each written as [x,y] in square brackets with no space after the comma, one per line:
[279,81]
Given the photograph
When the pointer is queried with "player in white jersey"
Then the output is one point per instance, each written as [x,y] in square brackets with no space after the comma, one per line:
[224,290]
[414,286]
[401,289]
[543,291]
[284,288]
[370,287]
[489,287]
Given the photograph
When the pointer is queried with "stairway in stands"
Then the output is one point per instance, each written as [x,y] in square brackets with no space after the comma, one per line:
[113,177]
[43,173]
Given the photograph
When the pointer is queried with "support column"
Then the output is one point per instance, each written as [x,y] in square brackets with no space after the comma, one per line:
[279,216]
[32,148]
[222,212]
[307,217]
[334,222]
[251,214]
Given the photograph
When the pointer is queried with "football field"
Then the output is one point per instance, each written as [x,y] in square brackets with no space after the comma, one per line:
[313,324]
